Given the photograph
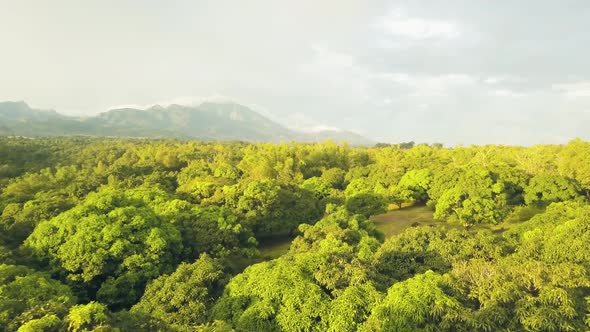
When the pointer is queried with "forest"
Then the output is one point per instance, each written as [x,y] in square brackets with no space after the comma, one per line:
[105,234]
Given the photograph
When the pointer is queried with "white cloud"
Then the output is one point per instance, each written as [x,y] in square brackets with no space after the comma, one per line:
[328,58]
[335,74]
[502,79]
[302,122]
[505,93]
[399,24]
[427,85]
[196,101]
[299,120]
[320,128]
[185,101]
[573,90]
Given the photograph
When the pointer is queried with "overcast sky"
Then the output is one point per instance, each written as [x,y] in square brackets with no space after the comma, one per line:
[457,72]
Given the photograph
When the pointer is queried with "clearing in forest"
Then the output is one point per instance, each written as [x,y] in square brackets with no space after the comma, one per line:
[396,221]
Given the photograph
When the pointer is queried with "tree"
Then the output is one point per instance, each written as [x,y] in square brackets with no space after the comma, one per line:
[272,209]
[273,296]
[402,256]
[214,230]
[366,204]
[319,186]
[514,180]
[415,184]
[545,189]
[88,317]
[574,162]
[407,145]
[137,235]
[271,162]
[325,156]
[19,220]
[183,298]
[359,186]
[27,295]
[335,177]
[477,197]
[520,294]
[113,242]
[351,308]
[541,285]
[47,323]
[442,181]
[398,196]
[419,249]
[328,268]
[417,304]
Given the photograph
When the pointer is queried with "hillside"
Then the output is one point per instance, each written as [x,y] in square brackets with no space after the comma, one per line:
[208,121]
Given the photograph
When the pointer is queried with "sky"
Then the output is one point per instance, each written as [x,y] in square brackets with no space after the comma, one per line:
[455,72]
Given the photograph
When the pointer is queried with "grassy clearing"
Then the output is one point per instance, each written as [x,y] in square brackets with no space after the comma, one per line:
[396,221]
[275,247]
[269,248]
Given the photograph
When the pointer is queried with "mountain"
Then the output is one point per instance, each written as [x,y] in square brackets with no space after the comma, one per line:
[17,118]
[20,111]
[225,121]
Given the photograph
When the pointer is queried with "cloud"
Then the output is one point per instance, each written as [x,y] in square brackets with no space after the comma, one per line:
[501,79]
[196,100]
[185,101]
[427,85]
[506,93]
[305,123]
[397,23]
[573,90]
[396,73]
[336,74]
[320,128]
[325,57]
[350,79]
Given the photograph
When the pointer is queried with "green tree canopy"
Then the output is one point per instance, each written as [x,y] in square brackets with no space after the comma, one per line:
[366,204]
[543,190]
[30,296]
[114,242]
[477,197]
[183,298]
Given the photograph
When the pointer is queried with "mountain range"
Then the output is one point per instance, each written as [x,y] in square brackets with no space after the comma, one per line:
[224,121]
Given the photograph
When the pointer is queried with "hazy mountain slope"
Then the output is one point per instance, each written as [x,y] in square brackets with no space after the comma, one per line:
[208,121]
[17,118]
[227,121]
[20,111]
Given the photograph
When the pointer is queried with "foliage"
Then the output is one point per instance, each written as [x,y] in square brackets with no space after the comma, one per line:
[477,197]
[102,234]
[88,317]
[113,242]
[366,204]
[184,297]
[417,304]
[415,184]
[27,296]
[543,190]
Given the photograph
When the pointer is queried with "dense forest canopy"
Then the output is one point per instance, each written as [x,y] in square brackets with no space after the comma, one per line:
[165,235]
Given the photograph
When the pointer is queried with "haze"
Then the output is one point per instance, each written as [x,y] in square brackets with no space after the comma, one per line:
[457,72]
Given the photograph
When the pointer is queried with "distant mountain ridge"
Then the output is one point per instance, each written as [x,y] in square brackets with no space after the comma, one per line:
[225,121]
